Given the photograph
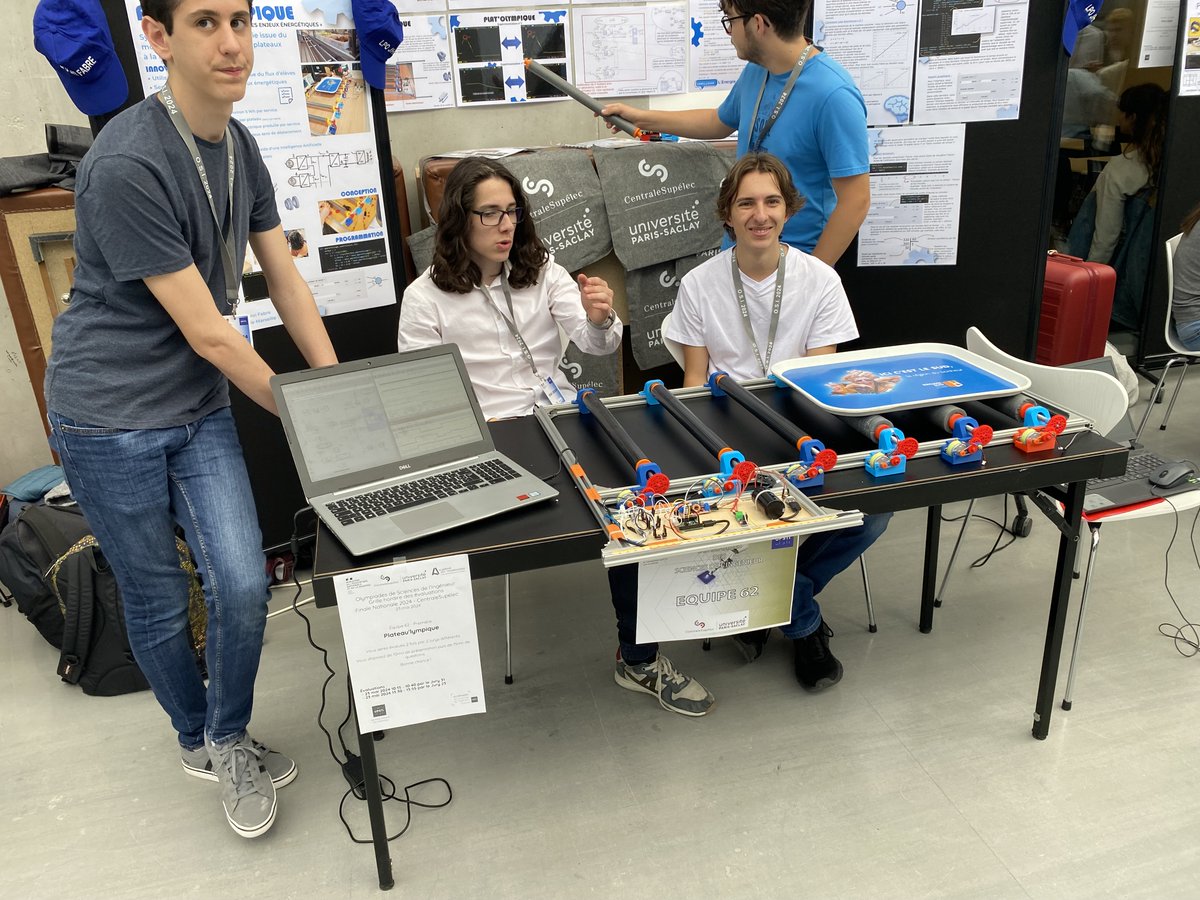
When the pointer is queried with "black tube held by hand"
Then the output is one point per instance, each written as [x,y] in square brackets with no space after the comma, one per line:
[610,426]
[571,91]
[701,432]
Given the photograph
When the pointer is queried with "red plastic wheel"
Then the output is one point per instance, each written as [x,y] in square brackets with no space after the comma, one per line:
[745,471]
[907,447]
[982,435]
[826,459]
[1057,424]
[658,483]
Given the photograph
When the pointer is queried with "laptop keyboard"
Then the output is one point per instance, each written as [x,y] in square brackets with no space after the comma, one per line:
[386,501]
[1141,467]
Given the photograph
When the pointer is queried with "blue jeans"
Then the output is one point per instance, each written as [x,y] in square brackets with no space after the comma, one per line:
[819,558]
[1189,334]
[134,487]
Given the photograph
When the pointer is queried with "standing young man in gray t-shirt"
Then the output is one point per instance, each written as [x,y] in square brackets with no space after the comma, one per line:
[137,384]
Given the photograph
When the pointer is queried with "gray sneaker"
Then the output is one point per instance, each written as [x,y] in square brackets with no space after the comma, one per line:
[676,692]
[246,790]
[282,769]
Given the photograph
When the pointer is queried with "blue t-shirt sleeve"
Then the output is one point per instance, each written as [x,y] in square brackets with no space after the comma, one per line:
[842,133]
[730,110]
[134,224]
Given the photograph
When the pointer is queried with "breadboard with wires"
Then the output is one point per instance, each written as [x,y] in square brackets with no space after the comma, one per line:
[707,510]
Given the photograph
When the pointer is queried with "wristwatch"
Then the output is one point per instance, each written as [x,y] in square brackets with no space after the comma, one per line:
[606,324]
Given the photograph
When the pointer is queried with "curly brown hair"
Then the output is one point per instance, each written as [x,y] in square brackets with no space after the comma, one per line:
[453,269]
[757,162]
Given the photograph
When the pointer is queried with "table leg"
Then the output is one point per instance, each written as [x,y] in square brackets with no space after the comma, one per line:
[1060,599]
[933,530]
[383,861]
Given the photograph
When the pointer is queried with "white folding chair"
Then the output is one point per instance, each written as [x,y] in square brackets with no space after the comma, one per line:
[1102,399]
[1181,355]
[676,351]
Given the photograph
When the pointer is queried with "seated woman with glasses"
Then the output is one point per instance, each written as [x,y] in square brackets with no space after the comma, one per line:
[495,291]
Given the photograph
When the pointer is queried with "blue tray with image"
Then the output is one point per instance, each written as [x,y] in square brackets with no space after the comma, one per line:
[865,382]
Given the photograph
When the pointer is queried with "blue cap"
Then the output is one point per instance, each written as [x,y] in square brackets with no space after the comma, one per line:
[74,36]
[379,37]
[1080,14]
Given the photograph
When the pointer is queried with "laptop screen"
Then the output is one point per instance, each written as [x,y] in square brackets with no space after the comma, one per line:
[385,415]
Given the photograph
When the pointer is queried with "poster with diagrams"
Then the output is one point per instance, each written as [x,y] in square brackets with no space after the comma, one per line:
[490,49]
[1189,62]
[916,196]
[713,64]
[875,41]
[970,60]
[419,74]
[630,50]
[310,111]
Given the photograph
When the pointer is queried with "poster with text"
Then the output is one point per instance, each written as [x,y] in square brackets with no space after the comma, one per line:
[490,50]
[875,41]
[916,196]
[419,74]
[716,592]
[630,50]
[412,645]
[1189,63]
[713,64]
[310,111]
[970,60]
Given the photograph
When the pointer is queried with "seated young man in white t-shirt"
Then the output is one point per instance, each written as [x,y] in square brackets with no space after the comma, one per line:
[721,331]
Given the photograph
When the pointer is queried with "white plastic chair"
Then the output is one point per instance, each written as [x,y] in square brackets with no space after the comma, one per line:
[1181,354]
[676,351]
[1102,399]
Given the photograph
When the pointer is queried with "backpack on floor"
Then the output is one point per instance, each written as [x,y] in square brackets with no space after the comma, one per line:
[56,571]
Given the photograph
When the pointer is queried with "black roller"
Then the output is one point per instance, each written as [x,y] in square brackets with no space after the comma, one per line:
[1011,406]
[701,432]
[611,427]
[781,426]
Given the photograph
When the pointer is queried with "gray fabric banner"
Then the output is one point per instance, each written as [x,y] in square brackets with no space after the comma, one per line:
[662,199]
[566,204]
[420,244]
[599,372]
[651,292]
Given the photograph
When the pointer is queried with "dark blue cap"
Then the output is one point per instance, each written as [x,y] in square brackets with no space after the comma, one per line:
[74,36]
[379,37]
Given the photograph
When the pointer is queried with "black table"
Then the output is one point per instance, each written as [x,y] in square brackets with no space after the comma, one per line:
[563,530]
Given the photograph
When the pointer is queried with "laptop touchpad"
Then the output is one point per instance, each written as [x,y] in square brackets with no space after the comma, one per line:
[424,519]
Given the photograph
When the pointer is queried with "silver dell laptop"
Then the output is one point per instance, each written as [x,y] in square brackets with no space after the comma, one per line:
[395,448]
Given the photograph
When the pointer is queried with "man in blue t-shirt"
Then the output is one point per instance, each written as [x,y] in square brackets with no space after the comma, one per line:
[819,129]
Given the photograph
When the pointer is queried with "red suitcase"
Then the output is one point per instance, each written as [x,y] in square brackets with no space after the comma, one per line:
[1077,301]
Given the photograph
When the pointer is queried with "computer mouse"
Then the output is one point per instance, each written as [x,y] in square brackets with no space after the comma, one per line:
[1173,474]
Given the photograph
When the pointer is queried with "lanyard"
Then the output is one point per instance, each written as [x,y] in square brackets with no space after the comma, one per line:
[228,254]
[779,104]
[511,320]
[775,304]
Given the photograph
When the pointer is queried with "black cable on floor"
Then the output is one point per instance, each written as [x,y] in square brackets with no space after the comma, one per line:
[1185,645]
[349,760]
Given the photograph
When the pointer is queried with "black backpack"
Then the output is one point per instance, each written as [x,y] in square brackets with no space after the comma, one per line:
[53,565]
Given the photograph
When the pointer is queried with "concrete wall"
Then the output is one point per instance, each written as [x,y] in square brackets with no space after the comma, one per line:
[41,99]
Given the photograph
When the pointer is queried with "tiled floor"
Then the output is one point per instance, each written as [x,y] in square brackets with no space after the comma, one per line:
[916,776]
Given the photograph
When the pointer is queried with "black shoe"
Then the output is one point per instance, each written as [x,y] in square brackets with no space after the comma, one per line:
[751,643]
[816,667]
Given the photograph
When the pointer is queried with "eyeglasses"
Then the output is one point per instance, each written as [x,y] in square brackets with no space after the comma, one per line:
[727,21]
[492,217]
